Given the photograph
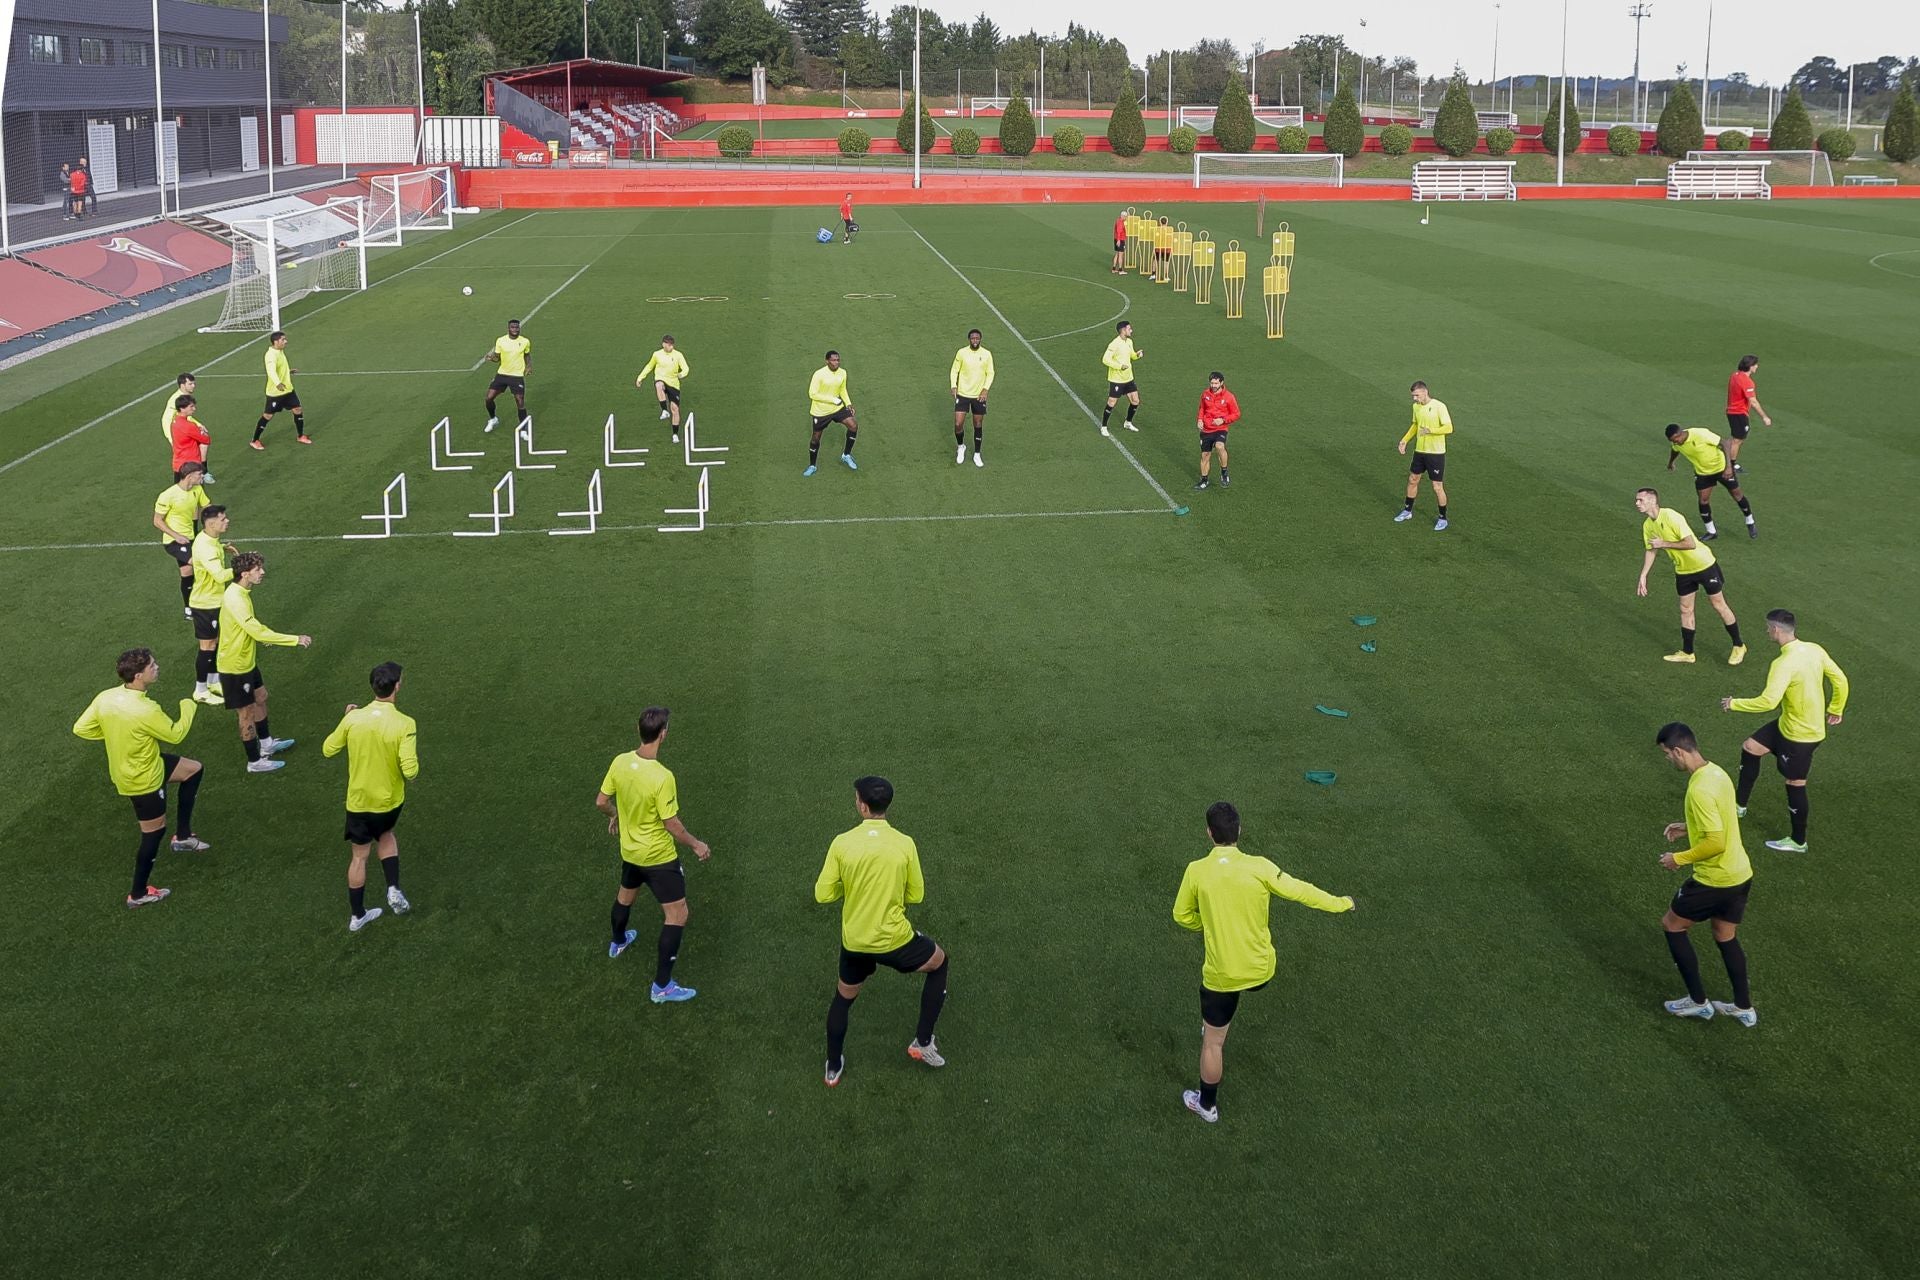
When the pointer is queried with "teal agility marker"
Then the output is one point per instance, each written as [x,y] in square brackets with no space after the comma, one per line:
[1335,712]
[1366,646]
[1365,620]
[1180,511]
[1322,777]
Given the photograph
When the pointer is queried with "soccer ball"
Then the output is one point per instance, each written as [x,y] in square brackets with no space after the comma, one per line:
[467,290]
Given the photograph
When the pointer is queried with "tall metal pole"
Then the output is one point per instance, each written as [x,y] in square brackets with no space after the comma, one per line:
[420,86]
[636,42]
[1850,97]
[266,43]
[1169,93]
[1496,57]
[1639,13]
[916,97]
[1040,88]
[1560,143]
[343,89]
[585,50]
[1706,64]
[159,111]
[663,50]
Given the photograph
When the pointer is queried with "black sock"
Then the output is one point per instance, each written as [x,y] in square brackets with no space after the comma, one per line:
[1223,473]
[299,424]
[390,868]
[933,994]
[1409,504]
[258,427]
[1443,511]
[524,415]
[1106,415]
[1733,633]
[252,746]
[1686,639]
[959,436]
[1209,1094]
[837,1029]
[852,435]
[203,669]
[260,729]
[189,791]
[813,453]
[621,910]
[1688,963]
[1746,507]
[490,413]
[1749,774]
[357,899]
[1706,515]
[669,951]
[1734,956]
[979,433]
[1797,810]
[1130,409]
[186,589]
[143,862]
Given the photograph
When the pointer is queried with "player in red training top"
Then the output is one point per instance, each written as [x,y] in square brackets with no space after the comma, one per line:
[1742,400]
[190,439]
[846,217]
[1120,243]
[1218,411]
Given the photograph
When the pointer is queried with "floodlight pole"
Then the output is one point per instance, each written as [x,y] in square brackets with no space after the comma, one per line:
[1639,13]
[1560,124]
[916,97]
[343,102]
[1706,65]
[419,85]
[1850,95]
[585,48]
[1496,57]
[1169,93]
[159,111]
[266,43]
[1040,88]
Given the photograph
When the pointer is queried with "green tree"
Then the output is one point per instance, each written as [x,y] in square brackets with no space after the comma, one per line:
[855,142]
[1792,130]
[1500,141]
[1126,131]
[1562,136]
[731,35]
[1396,140]
[1344,133]
[1016,128]
[735,141]
[1901,140]
[903,132]
[1456,127]
[1068,140]
[1624,140]
[1837,143]
[1292,139]
[1233,126]
[820,25]
[526,32]
[1679,130]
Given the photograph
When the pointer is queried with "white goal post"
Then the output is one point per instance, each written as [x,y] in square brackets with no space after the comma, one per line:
[421,200]
[1815,164]
[1200,119]
[281,258]
[1323,168]
[977,104]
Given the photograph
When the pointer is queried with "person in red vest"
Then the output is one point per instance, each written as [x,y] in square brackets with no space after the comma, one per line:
[846,217]
[1218,411]
[190,439]
[77,190]
[1742,401]
[1120,243]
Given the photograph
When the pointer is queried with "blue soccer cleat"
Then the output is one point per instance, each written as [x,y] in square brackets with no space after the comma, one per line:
[672,993]
[615,948]
[851,464]
[810,470]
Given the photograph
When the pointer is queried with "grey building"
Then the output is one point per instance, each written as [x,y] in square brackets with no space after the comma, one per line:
[80,82]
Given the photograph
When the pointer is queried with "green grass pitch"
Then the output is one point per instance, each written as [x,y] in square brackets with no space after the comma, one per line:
[1469,1076]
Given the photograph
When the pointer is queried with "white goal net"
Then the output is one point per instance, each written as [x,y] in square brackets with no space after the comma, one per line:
[1789,168]
[282,257]
[1327,169]
[986,102]
[1200,119]
[401,202]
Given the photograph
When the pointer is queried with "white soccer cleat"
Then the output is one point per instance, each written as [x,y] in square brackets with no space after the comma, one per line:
[1786,844]
[926,1053]
[1740,812]
[676,437]
[1104,431]
[206,477]
[1192,1098]
[1745,1017]
[492,423]
[664,415]
[979,461]
[1686,1007]
[1129,425]
[264,765]
[959,455]
[1439,524]
[398,901]
[1402,515]
[356,923]
[834,1073]
[208,697]
[190,844]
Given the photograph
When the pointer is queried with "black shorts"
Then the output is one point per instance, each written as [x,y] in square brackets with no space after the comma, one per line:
[1737,425]
[1216,1007]
[1120,244]
[1794,758]
[852,226]
[1117,389]
[206,623]
[1708,579]
[838,415]
[857,966]
[1429,464]
[275,404]
[672,393]
[505,382]
[237,690]
[365,828]
[1703,483]
[970,404]
[1210,439]
[154,803]
[180,552]
[1696,902]
[666,881]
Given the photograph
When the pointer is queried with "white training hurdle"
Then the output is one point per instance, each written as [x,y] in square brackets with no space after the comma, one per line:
[496,515]
[592,513]
[693,449]
[523,436]
[440,445]
[699,511]
[613,453]
[387,514]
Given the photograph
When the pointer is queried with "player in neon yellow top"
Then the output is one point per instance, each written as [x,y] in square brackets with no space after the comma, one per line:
[1428,433]
[242,687]
[210,579]
[382,756]
[1694,570]
[280,392]
[1701,448]
[642,804]
[1717,889]
[1118,362]
[512,353]
[668,366]
[133,727]
[873,871]
[183,386]
[1225,896]
[1794,685]
[971,378]
[828,400]
[175,511]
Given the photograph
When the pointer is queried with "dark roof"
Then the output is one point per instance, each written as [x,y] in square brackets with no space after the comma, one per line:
[177,18]
[591,71]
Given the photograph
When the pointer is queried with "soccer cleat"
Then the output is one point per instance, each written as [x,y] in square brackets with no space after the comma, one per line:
[1679,657]
[672,993]
[1739,466]
[147,899]
[1200,486]
[1225,479]
[851,464]
[356,923]
[1709,535]
[1745,1017]
[1786,844]
[1753,530]
[189,844]
[1439,524]
[206,478]
[1398,516]
[492,423]
[264,765]
[811,468]
[186,613]
[1192,1098]
[207,697]
[1129,425]
[1104,431]
[1740,811]
[274,746]
[615,948]
[304,439]
[1686,1007]
[398,900]
[1738,656]
[926,1053]
[979,461]
[834,1073]
[959,455]
[255,444]
[664,415]
[676,437]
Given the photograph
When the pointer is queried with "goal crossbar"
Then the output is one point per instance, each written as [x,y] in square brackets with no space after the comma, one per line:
[420,200]
[1818,166]
[280,258]
[1319,167]
[1201,118]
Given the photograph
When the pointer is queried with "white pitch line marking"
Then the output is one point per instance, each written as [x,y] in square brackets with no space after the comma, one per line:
[1125,301]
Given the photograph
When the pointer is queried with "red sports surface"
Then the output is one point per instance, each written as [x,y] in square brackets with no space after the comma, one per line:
[130,263]
[31,299]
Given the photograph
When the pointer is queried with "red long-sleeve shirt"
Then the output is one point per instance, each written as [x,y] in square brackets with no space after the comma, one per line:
[188,436]
[1218,404]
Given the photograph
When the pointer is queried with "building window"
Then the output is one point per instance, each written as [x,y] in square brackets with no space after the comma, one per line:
[173,55]
[205,57]
[136,55]
[93,53]
[236,60]
[47,48]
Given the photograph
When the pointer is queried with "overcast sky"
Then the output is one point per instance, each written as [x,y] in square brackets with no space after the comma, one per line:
[1767,39]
